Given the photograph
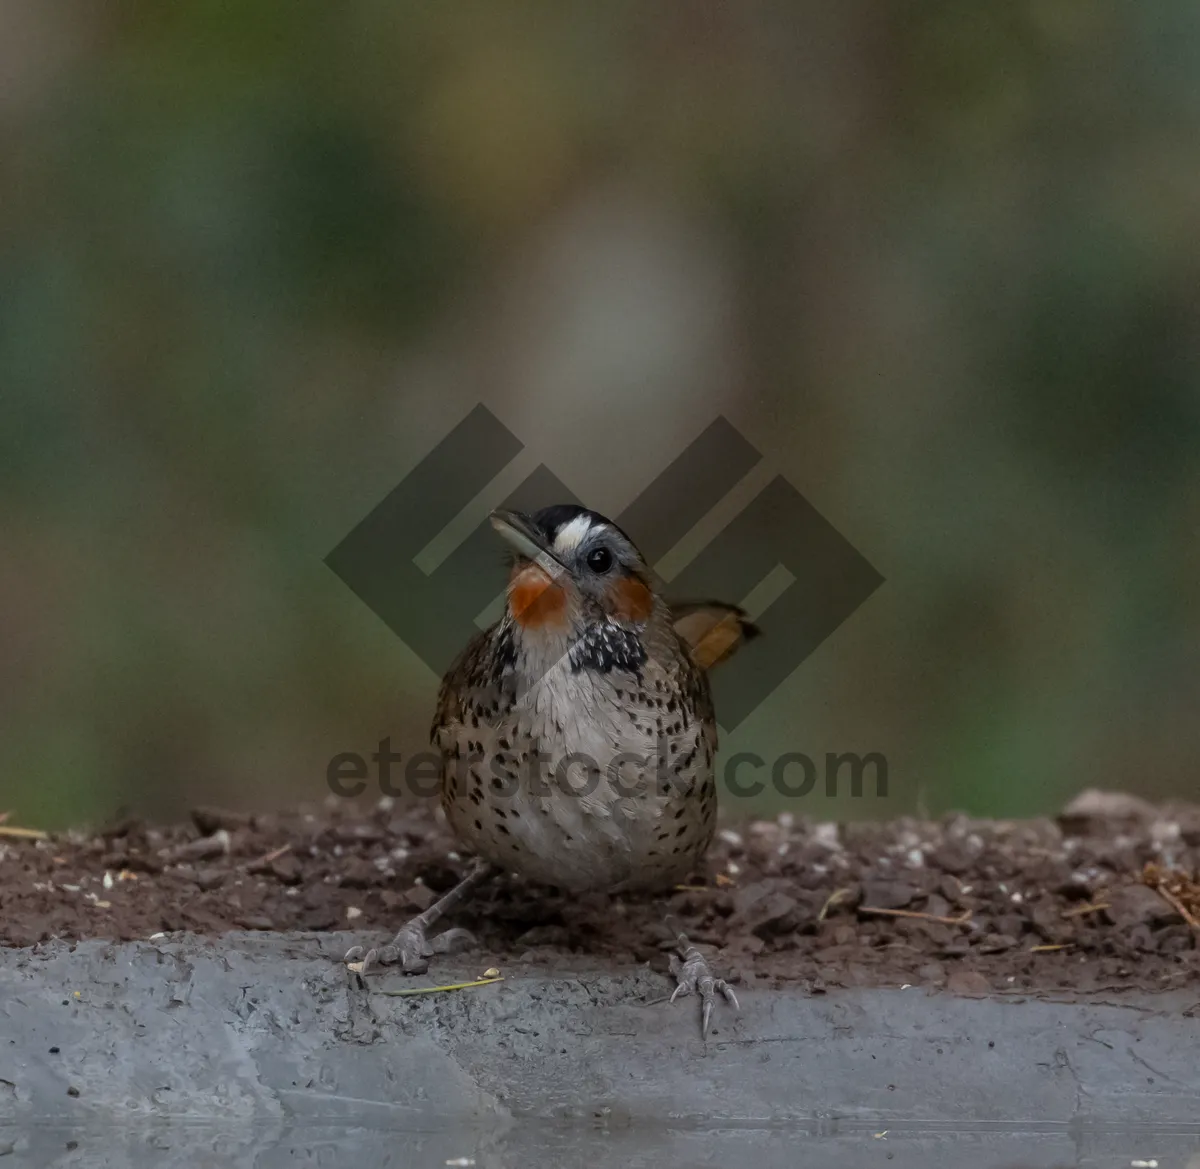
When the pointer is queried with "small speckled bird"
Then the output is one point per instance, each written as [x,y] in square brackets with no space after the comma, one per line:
[577,734]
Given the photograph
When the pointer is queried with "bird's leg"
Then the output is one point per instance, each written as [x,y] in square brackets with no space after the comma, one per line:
[410,948]
[694,977]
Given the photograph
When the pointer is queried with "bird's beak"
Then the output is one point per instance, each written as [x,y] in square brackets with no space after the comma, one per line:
[521,532]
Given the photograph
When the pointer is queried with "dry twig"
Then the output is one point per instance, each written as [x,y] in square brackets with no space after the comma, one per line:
[834,898]
[1174,887]
[914,914]
[1179,907]
[438,989]
[1079,911]
[267,858]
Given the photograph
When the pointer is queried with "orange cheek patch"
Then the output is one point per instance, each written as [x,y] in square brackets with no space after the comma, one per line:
[632,600]
[535,600]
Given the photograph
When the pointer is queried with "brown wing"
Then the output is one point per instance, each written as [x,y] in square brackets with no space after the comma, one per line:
[467,675]
[712,630]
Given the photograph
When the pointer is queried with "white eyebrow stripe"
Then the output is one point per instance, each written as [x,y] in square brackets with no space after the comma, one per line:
[571,535]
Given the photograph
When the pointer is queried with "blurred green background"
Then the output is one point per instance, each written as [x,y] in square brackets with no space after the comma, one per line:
[939,262]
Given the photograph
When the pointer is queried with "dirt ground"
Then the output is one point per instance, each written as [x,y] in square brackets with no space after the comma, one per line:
[1050,905]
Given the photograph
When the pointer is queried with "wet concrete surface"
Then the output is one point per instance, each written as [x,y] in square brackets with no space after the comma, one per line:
[537,1146]
[261,1049]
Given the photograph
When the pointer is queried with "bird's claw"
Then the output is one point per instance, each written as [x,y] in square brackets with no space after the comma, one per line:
[409,949]
[693,975]
[452,941]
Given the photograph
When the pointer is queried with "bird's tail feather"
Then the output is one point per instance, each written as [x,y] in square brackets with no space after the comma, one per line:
[712,630]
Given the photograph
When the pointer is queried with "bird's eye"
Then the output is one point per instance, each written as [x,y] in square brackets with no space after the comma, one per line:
[599,560]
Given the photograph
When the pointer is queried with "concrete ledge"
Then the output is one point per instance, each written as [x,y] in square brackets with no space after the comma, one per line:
[268,1031]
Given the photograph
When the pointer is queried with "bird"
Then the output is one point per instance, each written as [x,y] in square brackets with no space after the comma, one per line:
[577,734]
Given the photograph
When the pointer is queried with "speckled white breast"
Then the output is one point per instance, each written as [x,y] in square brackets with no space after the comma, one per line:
[587,782]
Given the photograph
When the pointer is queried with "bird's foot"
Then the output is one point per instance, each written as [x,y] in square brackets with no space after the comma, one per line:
[410,949]
[693,976]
